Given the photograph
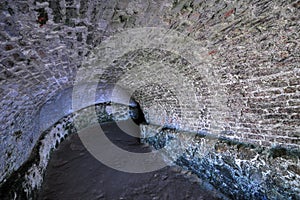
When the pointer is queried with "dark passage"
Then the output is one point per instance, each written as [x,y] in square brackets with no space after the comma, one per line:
[137,114]
[75,174]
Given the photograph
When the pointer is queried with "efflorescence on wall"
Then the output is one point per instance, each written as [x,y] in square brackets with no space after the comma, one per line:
[239,170]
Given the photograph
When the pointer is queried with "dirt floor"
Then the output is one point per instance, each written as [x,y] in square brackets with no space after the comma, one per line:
[73,174]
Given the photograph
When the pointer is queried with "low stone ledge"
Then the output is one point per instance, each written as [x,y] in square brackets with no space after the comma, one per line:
[239,170]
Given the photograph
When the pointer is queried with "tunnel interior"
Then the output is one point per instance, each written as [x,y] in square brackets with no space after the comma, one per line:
[213,84]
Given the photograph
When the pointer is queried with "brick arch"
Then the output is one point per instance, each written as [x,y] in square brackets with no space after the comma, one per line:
[254,49]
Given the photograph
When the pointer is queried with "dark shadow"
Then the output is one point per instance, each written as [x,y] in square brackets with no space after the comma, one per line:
[137,114]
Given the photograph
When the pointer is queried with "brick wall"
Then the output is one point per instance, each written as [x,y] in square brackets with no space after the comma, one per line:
[252,48]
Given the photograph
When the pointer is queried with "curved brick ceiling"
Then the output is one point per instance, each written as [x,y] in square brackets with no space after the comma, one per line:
[253,47]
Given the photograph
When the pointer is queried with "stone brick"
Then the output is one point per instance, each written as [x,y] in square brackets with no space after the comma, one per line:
[296,116]
[8,47]
[294,81]
[290,90]
[255,136]
[289,110]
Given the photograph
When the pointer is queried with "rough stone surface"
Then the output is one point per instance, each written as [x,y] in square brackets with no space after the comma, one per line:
[239,170]
[253,48]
